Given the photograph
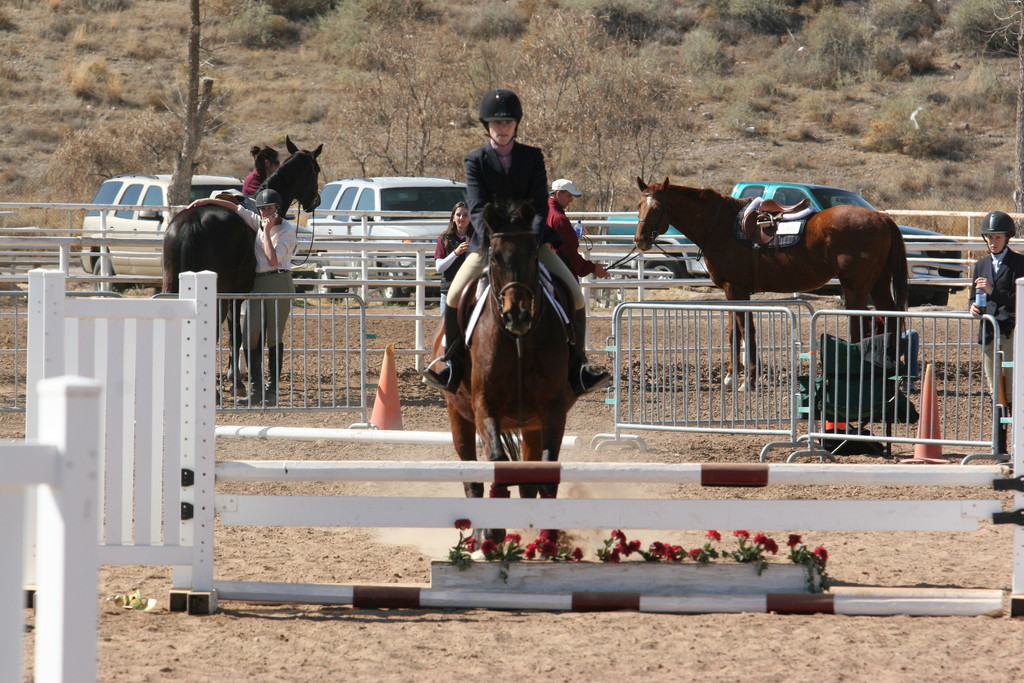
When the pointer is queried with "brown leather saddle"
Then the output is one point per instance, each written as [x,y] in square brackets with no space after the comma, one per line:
[761,225]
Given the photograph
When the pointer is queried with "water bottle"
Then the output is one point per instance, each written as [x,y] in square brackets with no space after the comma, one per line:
[579,229]
[980,298]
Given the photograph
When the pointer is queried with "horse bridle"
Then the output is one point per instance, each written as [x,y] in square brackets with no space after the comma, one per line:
[496,294]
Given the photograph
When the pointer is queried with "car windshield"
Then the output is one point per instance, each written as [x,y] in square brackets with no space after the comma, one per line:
[830,196]
[421,198]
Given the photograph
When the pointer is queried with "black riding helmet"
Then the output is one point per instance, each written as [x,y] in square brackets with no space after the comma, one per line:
[268,197]
[500,105]
[998,222]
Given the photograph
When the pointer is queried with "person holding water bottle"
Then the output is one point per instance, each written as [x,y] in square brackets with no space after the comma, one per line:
[563,191]
[993,293]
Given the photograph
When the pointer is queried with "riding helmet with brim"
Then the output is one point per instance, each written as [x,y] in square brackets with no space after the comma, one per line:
[268,197]
[998,222]
[500,105]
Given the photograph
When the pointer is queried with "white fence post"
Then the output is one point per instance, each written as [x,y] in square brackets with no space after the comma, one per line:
[66,597]
[63,466]
[1017,586]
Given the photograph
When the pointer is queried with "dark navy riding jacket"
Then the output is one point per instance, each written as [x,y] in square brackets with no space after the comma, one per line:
[1002,302]
[527,180]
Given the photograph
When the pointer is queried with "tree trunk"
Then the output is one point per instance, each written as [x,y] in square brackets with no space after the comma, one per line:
[197,102]
[1018,165]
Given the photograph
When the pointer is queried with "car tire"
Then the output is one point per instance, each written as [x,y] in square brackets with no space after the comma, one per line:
[665,269]
[395,294]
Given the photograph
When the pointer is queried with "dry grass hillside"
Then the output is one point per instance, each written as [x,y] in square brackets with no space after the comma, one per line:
[910,102]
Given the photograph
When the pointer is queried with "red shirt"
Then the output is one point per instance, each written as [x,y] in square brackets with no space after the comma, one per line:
[569,249]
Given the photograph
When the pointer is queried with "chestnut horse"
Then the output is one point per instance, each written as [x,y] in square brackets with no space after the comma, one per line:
[861,247]
[515,377]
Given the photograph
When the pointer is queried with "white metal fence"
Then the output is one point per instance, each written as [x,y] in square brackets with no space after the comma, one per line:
[822,393]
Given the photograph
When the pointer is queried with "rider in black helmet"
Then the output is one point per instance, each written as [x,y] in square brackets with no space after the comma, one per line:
[265,319]
[504,169]
[993,293]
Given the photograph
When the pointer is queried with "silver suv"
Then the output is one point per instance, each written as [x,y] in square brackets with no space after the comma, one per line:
[379,195]
[383,194]
[143,223]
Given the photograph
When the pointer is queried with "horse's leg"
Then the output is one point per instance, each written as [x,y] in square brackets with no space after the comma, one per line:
[533,450]
[490,429]
[553,431]
[749,351]
[856,299]
[234,314]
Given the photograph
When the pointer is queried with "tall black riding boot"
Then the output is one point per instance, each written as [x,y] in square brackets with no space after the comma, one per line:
[582,379]
[450,377]
[275,359]
[254,358]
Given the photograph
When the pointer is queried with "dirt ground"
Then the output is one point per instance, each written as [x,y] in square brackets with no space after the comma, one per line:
[254,642]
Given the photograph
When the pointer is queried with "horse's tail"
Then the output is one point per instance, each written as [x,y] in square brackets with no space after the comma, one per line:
[183,247]
[172,249]
[898,266]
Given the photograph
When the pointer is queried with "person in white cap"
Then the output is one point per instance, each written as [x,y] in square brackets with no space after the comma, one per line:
[563,191]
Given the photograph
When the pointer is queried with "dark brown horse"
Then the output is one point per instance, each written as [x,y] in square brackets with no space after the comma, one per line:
[211,237]
[861,247]
[515,376]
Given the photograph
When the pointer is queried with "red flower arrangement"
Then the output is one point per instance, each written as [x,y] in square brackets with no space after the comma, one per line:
[509,550]
[751,549]
[812,559]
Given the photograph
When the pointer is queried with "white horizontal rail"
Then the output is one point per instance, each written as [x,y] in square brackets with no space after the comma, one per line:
[556,513]
[357,435]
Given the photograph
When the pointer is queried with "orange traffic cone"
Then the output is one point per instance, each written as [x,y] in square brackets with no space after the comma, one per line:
[928,425]
[387,409]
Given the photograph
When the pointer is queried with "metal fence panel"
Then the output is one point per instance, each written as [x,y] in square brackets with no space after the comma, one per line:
[672,358]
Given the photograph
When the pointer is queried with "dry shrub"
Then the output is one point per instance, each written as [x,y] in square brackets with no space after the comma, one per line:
[9,73]
[907,18]
[298,10]
[915,130]
[490,22]
[761,16]
[255,26]
[839,45]
[6,23]
[890,62]
[58,28]
[633,21]
[83,38]
[93,79]
[145,142]
[339,31]
[922,58]
[981,25]
[702,52]
[983,97]
[846,122]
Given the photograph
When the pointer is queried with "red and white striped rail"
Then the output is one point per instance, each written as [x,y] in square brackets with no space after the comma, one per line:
[706,474]
[842,600]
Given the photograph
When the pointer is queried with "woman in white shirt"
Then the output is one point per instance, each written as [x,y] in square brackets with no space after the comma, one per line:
[265,318]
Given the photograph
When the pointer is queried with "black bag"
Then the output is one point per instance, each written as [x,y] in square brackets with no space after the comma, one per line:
[841,446]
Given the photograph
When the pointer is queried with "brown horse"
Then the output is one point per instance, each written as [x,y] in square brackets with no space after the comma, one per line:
[861,247]
[515,377]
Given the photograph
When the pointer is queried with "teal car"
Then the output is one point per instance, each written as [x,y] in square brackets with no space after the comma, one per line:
[927,285]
